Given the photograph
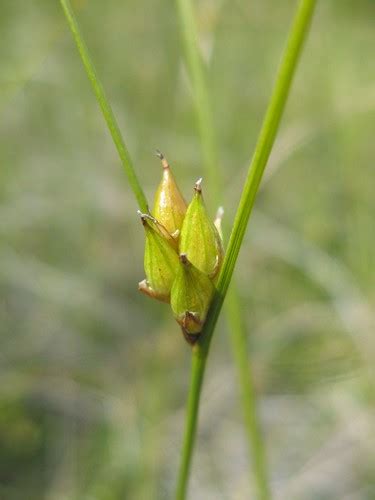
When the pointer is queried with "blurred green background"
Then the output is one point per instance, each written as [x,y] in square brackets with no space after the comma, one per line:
[94,375]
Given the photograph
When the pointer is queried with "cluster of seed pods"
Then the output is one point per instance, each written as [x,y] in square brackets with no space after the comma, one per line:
[183,253]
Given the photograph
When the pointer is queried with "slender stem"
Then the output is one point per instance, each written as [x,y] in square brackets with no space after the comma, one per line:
[262,151]
[197,73]
[104,105]
[197,373]
[233,311]
[248,394]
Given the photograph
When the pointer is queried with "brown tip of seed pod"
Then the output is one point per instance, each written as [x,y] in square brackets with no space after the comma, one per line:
[189,337]
[162,158]
[183,259]
[198,185]
[142,216]
[145,217]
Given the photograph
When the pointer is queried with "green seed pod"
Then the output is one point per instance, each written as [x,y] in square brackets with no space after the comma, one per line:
[191,296]
[199,238]
[169,205]
[160,261]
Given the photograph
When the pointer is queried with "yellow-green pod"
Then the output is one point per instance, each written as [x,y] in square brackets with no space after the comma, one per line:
[161,261]
[169,205]
[200,239]
[191,295]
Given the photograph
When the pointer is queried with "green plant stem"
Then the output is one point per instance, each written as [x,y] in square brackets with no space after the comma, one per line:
[262,151]
[233,311]
[197,373]
[104,105]
[200,95]
[248,395]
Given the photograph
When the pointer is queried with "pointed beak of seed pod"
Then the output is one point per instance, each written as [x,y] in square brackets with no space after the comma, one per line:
[198,185]
[162,158]
[169,205]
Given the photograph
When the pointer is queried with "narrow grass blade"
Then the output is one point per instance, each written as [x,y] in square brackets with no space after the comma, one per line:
[104,105]
[200,95]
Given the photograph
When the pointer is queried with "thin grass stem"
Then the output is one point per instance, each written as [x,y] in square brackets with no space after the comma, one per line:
[248,395]
[267,135]
[197,374]
[200,94]
[104,105]
[236,323]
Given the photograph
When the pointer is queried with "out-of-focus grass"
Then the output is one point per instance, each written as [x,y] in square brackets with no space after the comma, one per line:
[93,375]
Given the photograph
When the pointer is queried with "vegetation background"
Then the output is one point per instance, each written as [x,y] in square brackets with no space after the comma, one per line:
[94,375]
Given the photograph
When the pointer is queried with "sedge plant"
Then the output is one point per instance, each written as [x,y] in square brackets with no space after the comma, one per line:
[216,293]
